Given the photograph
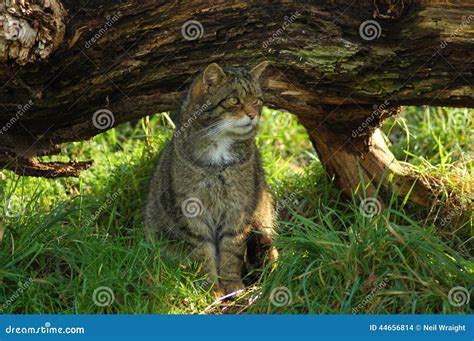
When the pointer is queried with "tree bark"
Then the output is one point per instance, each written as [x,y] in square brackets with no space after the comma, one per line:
[341,66]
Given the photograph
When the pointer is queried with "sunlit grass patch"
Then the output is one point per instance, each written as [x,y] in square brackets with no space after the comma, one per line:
[72,236]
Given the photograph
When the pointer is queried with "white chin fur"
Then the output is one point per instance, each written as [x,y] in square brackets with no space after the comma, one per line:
[220,151]
[243,126]
[241,130]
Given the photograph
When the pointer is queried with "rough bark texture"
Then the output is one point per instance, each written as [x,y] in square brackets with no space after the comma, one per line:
[339,72]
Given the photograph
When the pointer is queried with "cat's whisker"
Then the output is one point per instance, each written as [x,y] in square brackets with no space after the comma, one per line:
[216,131]
[212,125]
[208,129]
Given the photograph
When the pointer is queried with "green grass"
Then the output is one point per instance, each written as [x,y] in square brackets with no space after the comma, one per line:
[72,236]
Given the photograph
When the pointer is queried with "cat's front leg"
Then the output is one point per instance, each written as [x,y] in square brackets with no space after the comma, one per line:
[205,254]
[231,262]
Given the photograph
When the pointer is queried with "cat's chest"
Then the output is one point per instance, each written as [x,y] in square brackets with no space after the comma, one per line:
[225,198]
[227,189]
[225,183]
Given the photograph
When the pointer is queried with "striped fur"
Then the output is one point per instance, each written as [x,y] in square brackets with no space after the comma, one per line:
[218,205]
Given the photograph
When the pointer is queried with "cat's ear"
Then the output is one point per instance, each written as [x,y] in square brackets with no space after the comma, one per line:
[258,70]
[212,75]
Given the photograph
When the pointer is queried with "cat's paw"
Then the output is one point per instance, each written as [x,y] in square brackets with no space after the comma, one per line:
[272,255]
[217,293]
[229,287]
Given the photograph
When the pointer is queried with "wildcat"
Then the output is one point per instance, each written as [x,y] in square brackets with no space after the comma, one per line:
[208,189]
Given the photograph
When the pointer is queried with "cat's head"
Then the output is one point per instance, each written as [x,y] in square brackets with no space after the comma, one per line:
[224,102]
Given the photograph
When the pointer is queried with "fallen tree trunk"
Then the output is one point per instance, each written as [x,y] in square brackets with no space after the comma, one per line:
[74,68]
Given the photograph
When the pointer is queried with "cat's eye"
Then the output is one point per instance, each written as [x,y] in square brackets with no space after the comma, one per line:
[233,100]
[257,101]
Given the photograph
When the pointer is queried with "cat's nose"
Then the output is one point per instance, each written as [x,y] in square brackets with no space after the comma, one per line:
[251,114]
[250,111]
